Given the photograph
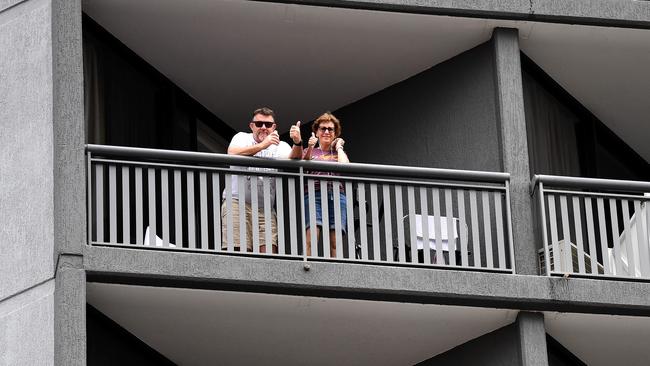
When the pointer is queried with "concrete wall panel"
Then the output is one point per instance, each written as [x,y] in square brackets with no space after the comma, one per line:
[26,202]
[26,332]
[444,117]
[493,349]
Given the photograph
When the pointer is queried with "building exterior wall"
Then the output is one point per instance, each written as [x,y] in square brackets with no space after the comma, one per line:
[26,332]
[26,181]
[42,180]
[26,147]
[42,184]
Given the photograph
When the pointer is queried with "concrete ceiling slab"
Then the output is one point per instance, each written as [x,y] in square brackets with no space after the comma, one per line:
[234,55]
[199,327]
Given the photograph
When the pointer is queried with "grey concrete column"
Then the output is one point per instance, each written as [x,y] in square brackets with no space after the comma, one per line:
[69,182]
[514,145]
[70,312]
[68,128]
[532,339]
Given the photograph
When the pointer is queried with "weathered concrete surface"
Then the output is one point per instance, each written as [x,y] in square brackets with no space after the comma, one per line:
[532,339]
[26,333]
[368,281]
[70,312]
[624,13]
[26,202]
[513,141]
[6,4]
[42,182]
[68,127]
[608,11]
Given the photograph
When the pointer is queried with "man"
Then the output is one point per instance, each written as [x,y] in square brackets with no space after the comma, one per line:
[263,141]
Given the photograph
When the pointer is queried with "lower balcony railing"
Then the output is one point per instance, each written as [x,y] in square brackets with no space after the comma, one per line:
[594,227]
[186,201]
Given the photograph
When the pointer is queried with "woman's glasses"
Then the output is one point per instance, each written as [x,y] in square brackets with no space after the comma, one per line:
[266,124]
[326,129]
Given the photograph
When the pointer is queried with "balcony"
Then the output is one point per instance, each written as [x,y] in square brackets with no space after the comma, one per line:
[593,227]
[401,216]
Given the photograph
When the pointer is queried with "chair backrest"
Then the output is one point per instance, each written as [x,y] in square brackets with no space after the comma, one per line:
[435,238]
[431,225]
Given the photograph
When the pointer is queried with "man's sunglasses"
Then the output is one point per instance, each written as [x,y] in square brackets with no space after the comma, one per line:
[266,124]
[328,129]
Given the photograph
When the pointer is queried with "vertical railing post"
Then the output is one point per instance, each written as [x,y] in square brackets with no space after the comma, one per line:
[89,214]
[542,211]
[302,216]
[509,223]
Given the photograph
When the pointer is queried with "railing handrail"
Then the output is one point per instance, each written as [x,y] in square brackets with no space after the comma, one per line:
[357,168]
[590,183]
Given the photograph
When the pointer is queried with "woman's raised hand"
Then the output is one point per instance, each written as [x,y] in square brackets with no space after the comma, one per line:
[312,140]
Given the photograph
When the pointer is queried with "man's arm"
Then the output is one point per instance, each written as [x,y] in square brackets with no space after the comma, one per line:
[248,150]
[296,152]
[296,149]
[234,149]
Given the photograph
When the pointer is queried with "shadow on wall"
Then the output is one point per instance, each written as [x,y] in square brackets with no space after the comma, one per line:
[444,117]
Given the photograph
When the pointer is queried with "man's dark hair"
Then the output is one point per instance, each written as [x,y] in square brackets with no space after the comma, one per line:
[265,111]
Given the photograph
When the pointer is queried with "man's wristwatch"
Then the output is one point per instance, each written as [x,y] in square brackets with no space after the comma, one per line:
[298,144]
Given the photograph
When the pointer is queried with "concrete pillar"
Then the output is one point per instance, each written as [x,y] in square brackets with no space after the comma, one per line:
[514,145]
[532,339]
[42,175]
[69,182]
[70,312]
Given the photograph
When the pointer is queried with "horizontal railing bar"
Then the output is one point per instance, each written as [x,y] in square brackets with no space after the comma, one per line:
[590,183]
[598,194]
[405,182]
[289,174]
[197,167]
[355,168]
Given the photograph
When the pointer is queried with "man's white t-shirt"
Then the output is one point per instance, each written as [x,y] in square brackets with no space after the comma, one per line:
[280,151]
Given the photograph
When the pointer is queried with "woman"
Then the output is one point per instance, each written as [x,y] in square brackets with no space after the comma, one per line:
[326,130]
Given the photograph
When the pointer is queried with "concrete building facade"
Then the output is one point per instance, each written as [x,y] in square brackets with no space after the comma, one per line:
[64,301]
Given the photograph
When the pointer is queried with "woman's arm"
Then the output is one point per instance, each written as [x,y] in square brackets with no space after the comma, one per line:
[340,153]
[342,156]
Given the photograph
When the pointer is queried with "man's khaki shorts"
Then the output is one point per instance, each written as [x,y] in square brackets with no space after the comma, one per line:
[261,229]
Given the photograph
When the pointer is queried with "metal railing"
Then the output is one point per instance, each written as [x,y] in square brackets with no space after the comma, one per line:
[593,227]
[184,201]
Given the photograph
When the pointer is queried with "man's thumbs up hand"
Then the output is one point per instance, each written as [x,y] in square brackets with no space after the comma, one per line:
[294,133]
